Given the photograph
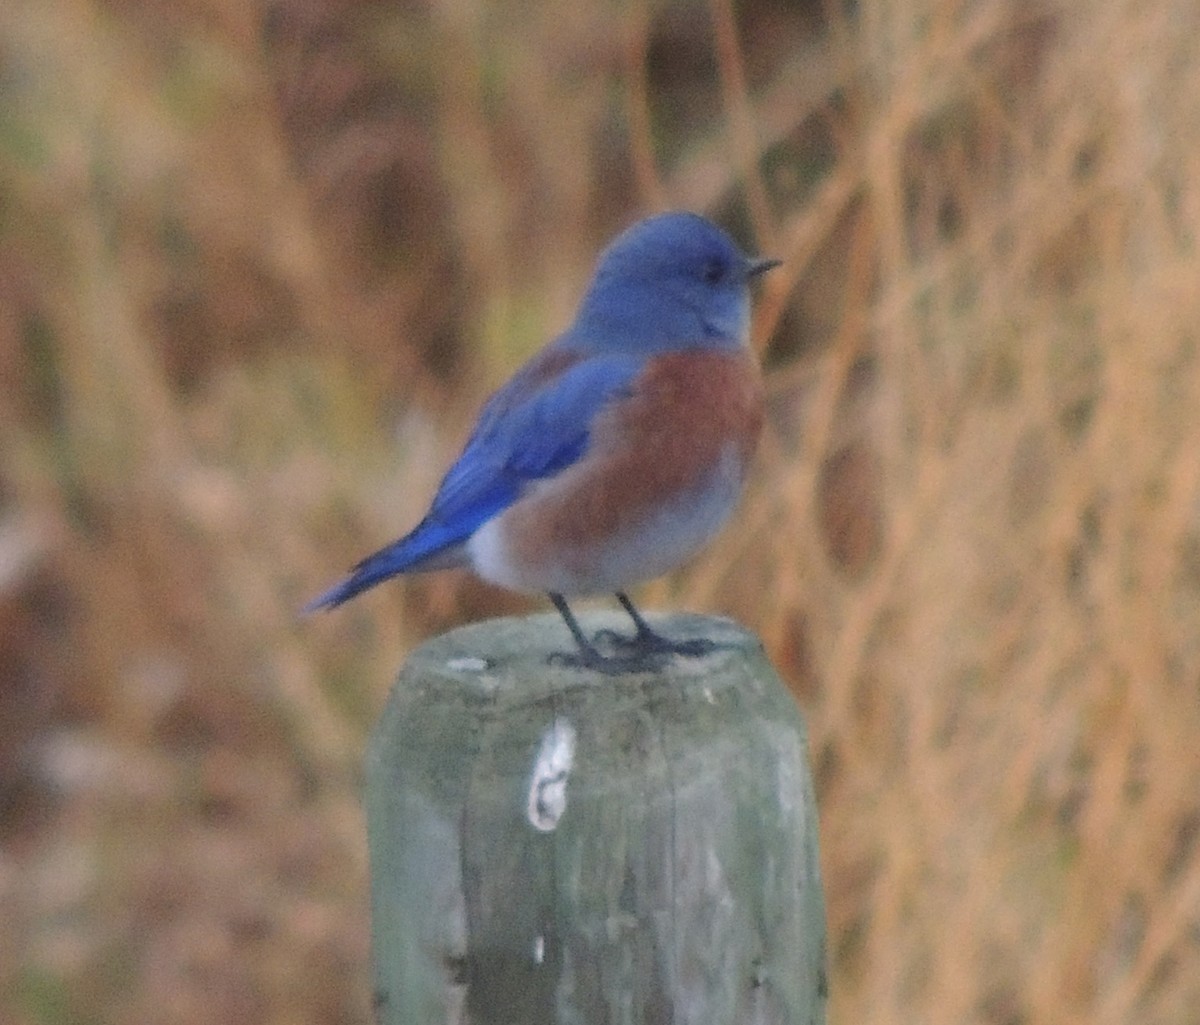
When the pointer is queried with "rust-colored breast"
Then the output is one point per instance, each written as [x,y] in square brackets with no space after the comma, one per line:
[688,415]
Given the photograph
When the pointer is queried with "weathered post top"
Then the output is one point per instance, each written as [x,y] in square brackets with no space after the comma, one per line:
[553,845]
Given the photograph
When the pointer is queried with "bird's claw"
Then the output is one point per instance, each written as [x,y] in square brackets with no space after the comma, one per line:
[649,642]
[610,665]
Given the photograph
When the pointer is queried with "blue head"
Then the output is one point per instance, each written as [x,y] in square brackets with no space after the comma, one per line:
[670,281]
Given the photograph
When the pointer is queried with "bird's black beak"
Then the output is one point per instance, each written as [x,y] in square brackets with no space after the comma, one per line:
[757,267]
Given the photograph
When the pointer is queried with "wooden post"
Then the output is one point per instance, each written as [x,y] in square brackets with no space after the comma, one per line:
[551,846]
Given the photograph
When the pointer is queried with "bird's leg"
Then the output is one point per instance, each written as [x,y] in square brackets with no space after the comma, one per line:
[649,640]
[586,647]
[588,657]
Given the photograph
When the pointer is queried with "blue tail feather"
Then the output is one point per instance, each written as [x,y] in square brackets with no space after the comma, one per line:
[425,548]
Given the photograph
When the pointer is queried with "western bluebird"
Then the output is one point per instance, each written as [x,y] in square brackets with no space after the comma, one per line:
[615,452]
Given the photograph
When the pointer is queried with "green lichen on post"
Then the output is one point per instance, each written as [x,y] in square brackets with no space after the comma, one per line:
[550,845]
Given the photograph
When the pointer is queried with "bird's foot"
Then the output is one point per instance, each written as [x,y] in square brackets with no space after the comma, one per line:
[645,652]
[649,642]
[611,665]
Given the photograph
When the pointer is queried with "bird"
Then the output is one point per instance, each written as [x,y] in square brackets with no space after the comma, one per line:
[615,452]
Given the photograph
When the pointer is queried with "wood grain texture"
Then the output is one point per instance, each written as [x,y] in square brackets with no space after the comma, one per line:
[550,846]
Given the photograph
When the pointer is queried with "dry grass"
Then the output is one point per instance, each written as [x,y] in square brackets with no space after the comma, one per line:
[256,269]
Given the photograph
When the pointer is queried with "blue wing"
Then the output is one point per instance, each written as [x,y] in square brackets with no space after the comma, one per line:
[531,429]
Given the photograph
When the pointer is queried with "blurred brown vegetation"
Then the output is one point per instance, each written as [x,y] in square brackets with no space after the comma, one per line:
[258,265]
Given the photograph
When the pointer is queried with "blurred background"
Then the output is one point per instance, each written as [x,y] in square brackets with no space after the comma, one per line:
[260,263]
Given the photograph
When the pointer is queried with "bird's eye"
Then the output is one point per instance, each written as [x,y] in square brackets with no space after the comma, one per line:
[712,272]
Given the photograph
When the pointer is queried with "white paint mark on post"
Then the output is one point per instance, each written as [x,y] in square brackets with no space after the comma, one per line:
[548,780]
